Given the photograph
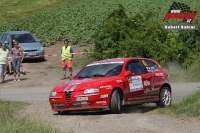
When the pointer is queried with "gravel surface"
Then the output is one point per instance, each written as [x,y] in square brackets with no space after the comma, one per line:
[43,76]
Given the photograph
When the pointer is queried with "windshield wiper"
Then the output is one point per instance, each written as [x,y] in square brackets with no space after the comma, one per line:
[83,76]
[98,75]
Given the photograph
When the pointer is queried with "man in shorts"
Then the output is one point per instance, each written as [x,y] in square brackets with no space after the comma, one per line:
[67,56]
[4,53]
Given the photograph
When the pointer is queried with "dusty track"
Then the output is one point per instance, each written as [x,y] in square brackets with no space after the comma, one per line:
[42,76]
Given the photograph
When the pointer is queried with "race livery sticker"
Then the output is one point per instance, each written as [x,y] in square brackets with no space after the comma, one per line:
[146,83]
[159,74]
[146,91]
[135,83]
[106,86]
[144,63]
[104,96]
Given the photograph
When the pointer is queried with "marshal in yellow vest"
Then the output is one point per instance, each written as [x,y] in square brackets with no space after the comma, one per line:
[66,53]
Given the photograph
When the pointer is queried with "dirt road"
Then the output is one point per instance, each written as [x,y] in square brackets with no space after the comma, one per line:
[43,76]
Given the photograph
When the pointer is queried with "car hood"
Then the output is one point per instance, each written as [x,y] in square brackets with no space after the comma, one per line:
[82,84]
[31,46]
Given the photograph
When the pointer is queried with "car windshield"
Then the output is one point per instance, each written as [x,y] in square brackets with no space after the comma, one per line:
[24,38]
[101,70]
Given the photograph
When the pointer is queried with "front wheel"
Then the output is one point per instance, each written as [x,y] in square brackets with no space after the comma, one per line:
[115,103]
[165,98]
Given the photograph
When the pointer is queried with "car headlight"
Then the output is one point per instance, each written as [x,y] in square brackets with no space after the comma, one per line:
[91,90]
[41,48]
[53,94]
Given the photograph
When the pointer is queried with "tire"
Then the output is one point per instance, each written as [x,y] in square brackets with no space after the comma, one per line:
[165,97]
[115,103]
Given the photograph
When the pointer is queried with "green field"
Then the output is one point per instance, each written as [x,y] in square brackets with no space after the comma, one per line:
[13,10]
[76,20]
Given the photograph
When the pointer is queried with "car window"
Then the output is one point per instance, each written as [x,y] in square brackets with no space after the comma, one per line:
[150,65]
[135,67]
[4,37]
[7,38]
[104,69]
[24,38]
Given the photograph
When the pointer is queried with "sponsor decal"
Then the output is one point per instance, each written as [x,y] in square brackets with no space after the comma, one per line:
[135,83]
[144,63]
[146,82]
[154,89]
[104,96]
[106,86]
[106,62]
[146,91]
[139,98]
[101,102]
[152,69]
[159,74]
[119,81]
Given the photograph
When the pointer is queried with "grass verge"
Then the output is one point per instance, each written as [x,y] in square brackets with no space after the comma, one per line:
[13,10]
[12,122]
[189,106]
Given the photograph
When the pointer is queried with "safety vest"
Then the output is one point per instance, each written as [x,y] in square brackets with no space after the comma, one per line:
[66,55]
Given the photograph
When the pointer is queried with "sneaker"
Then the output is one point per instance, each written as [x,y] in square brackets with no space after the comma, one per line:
[64,77]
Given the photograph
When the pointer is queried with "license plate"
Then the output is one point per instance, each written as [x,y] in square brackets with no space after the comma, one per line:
[32,53]
[81,98]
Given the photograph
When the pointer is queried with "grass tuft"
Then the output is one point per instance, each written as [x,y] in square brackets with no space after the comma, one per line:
[189,106]
[12,122]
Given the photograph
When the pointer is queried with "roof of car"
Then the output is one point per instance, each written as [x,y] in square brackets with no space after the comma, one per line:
[117,60]
[17,32]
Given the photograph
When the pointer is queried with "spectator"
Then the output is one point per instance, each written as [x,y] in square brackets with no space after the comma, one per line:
[16,59]
[4,53]
[10,66]
[67,56]
[21,66]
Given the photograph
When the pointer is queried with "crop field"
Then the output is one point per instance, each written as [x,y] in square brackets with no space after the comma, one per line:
[79,19]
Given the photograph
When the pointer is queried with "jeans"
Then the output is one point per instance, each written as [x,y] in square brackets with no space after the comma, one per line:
[16,66]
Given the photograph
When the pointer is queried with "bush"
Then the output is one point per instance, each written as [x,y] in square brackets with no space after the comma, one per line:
[136,36]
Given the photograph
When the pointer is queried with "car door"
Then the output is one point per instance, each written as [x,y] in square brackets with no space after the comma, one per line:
[139,82]
[157,77]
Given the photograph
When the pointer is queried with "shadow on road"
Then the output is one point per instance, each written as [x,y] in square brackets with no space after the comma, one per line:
[125,110]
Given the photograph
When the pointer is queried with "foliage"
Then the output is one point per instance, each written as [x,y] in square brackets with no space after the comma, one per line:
[77,20]
[136,36]
[12,10]
[12,122]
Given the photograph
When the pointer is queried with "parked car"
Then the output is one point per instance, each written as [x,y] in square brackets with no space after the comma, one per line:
[113,83]
[32,46]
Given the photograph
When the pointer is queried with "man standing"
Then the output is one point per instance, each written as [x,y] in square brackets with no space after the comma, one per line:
[66,53]
[4,53]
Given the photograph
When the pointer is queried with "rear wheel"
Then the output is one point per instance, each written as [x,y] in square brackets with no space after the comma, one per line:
[165,97]
[115,103]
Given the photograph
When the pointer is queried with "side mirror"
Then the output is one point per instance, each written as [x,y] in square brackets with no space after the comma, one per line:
[6,42]
[72,77]
[39,41]
[128,73]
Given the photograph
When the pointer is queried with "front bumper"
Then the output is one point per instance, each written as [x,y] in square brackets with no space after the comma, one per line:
[76,101]
[34,54]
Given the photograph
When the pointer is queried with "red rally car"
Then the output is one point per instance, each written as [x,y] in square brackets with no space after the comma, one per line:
[113,83]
